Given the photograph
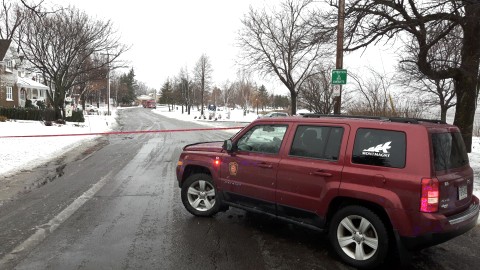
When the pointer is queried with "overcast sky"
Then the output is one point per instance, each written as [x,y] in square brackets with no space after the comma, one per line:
[168,35]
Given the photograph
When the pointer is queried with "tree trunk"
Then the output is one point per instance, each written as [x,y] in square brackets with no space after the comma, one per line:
[202,102]
[443,113]
[466,83]
[293,96]
[465,110]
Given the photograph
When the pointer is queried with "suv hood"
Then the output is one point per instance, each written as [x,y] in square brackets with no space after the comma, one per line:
[205,146]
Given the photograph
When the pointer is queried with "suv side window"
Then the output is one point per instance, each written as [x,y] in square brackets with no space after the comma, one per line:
[379,148]
[263,139]
[320,142]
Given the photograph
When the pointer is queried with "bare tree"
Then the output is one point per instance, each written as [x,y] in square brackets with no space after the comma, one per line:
[90,81]
[203,74]
[227,93]
[58,44]
[317,92]
[427,23]
[185,87]
[284,43]
[244,90]
[13,13]
[11,16]
[216,96]
[374,95]
[430,93]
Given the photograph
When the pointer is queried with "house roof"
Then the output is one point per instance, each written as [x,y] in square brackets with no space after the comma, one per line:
[28,83]
[4,44]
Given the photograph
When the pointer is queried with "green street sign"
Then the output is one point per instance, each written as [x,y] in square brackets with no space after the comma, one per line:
[339,76]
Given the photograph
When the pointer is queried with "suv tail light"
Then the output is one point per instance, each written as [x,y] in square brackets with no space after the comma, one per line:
[430,195]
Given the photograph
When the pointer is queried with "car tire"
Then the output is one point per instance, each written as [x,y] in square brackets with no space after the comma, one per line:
[199,195]
[359,237]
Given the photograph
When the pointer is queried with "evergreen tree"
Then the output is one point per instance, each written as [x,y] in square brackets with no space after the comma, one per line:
[167,94]
[127,93]
[263,96]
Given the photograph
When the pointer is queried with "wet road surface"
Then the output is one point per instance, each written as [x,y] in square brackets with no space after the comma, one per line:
[115,204]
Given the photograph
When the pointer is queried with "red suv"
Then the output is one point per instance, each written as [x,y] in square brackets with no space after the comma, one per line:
[372,183]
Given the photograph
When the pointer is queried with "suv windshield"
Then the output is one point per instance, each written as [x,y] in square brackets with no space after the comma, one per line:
[449,151]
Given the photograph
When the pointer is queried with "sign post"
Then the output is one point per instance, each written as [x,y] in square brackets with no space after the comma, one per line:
[68,107]
[339,59]
[339,78]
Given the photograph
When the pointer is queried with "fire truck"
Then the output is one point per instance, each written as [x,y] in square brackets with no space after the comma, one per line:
[149,104]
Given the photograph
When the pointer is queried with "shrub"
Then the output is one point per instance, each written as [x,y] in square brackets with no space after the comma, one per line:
[3,118]
[60,121]
[38,114]
[41,105]
[77,116]
[28,114]
[29,104]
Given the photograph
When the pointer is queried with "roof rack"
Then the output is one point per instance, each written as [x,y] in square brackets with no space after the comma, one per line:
[381,118]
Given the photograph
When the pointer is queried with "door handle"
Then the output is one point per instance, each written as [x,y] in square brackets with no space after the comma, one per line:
[265,165]
[321,173]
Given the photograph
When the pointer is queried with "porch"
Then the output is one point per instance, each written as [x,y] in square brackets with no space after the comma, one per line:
[30,89]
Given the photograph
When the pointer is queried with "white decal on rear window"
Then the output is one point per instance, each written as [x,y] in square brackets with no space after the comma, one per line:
[380,150]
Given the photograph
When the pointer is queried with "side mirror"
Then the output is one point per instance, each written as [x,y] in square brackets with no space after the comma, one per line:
[228,145]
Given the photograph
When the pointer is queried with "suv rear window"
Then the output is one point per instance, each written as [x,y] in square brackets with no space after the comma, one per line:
[448,151]
[379,148]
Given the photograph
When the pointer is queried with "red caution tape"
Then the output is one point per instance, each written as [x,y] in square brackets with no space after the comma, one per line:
[118,132]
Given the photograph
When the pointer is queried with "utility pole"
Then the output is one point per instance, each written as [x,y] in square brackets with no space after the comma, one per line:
[108,84]
[108,81]
[339,60]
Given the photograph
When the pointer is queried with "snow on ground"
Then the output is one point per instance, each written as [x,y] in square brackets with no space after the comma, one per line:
[474,158]
[235,115]
[18,154]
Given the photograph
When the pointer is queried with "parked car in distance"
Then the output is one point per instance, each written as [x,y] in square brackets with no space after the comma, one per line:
[274,114]
[91,109]
[212,112]
[374,184]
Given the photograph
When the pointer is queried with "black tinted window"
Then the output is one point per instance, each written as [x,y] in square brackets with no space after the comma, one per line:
[448,151]
[317,142]
[379,148]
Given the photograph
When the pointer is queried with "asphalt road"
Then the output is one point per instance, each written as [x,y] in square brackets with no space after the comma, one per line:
[114,204]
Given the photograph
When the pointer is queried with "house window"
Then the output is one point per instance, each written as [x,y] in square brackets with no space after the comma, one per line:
[9,93]
[34,94]
[10,64]
[41,93]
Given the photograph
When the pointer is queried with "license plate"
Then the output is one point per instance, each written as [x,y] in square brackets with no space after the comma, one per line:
[462,192]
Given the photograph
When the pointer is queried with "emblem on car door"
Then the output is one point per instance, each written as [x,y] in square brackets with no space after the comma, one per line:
[233,168]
